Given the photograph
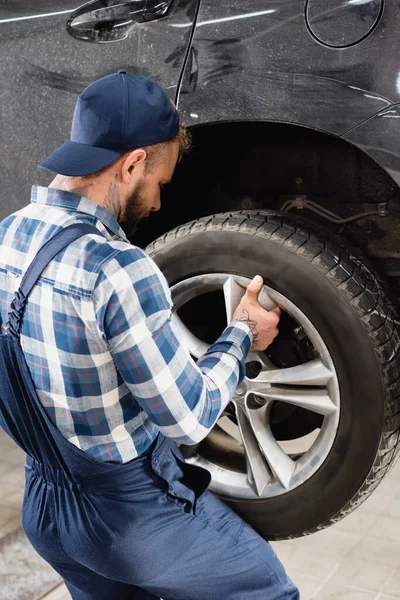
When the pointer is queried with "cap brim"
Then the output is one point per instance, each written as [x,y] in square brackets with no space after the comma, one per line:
[77,160]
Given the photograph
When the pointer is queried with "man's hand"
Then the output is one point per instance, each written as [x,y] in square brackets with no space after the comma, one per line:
[263,323]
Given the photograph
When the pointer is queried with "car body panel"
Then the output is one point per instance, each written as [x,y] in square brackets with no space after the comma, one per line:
[43,69]
[236,60]
[258,61]
[379,138]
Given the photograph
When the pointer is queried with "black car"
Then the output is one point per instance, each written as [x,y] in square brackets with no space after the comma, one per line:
[294,109]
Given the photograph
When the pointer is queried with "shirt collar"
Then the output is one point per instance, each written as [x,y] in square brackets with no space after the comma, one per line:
[72,201]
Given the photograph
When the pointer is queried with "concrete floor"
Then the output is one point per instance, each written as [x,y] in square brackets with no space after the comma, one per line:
[356,559]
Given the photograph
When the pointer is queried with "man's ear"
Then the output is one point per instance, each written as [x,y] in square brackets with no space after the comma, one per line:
[133,161]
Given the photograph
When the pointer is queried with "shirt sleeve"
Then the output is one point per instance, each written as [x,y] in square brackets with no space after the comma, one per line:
[133,307]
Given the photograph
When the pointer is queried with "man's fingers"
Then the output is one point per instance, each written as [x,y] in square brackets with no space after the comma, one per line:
[254,288]
[276,310]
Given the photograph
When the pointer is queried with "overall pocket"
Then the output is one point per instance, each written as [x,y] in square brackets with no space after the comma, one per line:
[183,483]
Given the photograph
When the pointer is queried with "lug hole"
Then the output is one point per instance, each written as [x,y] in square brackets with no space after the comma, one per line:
[253,369]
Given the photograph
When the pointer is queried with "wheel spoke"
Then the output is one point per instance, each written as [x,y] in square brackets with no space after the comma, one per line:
[233,293]
[260,357]
[279,462]
[316,400]
[195,346]
[311,373]
[258,472]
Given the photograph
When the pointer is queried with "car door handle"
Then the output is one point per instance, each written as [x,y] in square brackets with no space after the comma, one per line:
[105,21]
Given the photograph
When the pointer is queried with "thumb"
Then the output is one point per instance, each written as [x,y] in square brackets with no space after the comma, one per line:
[254,288]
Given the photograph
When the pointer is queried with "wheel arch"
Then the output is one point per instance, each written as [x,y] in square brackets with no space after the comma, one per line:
[253,164]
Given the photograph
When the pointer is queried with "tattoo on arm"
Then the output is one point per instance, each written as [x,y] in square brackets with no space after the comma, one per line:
[252,324]
[112,200]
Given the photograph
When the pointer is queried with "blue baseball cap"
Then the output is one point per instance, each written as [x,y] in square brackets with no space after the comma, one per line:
[115,114]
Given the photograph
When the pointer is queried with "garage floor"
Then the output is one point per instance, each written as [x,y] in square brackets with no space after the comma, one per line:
[357,559]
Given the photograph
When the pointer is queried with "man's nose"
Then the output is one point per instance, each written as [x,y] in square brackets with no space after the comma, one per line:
[156,205]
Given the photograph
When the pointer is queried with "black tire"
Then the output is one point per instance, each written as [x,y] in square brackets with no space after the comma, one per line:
[351,307]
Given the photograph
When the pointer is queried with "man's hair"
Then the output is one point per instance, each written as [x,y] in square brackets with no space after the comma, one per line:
[155,153]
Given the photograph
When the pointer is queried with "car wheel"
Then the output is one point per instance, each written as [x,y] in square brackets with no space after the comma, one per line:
[314,427]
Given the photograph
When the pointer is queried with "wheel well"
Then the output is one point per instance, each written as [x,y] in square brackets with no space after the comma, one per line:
[246,165]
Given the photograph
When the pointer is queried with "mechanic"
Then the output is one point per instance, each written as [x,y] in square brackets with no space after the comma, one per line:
[96,385]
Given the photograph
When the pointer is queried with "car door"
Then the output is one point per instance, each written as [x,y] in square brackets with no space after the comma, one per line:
[45,64]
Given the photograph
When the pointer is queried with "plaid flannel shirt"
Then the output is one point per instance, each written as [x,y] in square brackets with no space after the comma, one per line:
[104,355]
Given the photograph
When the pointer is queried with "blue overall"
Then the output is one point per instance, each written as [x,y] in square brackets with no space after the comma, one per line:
[144,530]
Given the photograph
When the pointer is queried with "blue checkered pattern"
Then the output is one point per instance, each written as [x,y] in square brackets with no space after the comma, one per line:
[104,355]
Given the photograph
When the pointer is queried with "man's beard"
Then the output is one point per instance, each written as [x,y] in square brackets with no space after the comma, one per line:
[134,210]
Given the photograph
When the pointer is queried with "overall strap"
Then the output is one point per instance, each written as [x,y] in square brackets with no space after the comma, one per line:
[46,253]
